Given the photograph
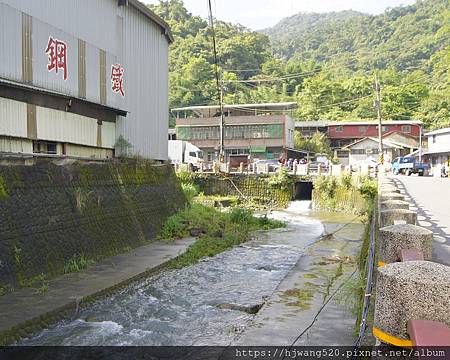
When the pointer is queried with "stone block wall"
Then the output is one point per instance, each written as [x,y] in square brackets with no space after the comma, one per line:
[256,187]
[51,214]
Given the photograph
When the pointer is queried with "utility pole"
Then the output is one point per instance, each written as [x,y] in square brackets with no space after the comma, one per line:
[380,128]
[222,126]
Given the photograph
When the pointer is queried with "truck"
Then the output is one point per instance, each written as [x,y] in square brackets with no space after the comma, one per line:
[408,165]
[183,152]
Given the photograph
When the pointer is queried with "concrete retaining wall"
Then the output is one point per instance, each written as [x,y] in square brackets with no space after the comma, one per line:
[51,214]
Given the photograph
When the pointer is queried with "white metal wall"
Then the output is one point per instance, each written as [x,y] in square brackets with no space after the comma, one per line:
[11,145]
[13,118]
[90,20]
[127,36]
[10,43]
[54,125]
[146,66]
[442,142]
[108,134]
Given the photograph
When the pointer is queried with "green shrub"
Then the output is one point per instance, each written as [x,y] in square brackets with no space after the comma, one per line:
[77,264]
[186,177]
[240,215]
[368,188]
[190,191]
[281,180]
[220,230]
[346,181]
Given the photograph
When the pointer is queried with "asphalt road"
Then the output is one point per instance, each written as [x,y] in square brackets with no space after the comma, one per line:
[430,197]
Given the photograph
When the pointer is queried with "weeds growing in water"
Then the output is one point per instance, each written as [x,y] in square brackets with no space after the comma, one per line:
[219,230]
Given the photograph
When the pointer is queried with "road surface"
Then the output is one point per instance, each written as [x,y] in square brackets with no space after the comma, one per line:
[430,197]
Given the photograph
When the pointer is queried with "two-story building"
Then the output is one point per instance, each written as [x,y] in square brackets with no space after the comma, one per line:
[77,75]
[256,131]
[438,153]
[343,133]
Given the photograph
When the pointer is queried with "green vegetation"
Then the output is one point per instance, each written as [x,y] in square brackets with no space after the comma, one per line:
[300,298]
[346,193]
[325,62]
[77,264]
[281,180]
[4,289]
[218,230]
[318,143]
[44,287]
[3,188]
[123,147]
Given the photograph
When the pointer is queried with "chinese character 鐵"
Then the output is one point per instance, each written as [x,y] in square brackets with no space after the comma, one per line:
[117,79]
[57,56]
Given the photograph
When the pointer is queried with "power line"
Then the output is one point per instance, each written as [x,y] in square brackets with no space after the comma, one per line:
[219,87]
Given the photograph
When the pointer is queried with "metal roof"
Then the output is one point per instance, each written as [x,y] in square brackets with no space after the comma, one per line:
[375,122]
[36,89]
[152,16]
[324,123]
[307,123]
[264,106]
[438,132]
[386,143]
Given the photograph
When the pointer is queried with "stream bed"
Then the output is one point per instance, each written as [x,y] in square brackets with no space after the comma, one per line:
[196,305]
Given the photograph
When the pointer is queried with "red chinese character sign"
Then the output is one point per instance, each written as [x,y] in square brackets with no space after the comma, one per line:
[57,56]
[117,79]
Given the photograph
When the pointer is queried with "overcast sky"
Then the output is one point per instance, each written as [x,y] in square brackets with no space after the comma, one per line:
[259,14]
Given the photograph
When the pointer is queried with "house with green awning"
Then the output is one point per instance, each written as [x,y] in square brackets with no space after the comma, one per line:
[250,131]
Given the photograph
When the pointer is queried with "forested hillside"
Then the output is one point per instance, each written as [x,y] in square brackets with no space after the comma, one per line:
[325,62]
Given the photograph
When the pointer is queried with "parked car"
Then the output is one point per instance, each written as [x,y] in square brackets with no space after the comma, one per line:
[314,166]
[274,164]
[372,164]
[408,165]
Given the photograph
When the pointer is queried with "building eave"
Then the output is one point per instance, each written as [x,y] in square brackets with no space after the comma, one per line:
[7,84]
[155,18]
[438,132]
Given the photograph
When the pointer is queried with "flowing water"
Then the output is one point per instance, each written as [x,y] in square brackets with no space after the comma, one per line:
[180,307]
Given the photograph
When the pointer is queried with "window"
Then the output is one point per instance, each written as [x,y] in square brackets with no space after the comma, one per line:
[406,128]
[385,128]
[358,151]
[44,147]
[434,139]
[339,129]
[362,129]
[342,153]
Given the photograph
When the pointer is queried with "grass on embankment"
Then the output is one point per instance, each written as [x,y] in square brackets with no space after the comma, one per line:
[219,231]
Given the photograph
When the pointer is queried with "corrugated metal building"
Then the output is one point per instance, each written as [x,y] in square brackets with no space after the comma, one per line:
[77,75]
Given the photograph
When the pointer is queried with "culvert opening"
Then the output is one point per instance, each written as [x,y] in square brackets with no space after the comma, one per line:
[303,190]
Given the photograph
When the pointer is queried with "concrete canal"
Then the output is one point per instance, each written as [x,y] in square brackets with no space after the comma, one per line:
[213,302]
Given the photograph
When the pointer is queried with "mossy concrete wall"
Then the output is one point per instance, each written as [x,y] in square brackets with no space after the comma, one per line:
[255,187]
[51,214]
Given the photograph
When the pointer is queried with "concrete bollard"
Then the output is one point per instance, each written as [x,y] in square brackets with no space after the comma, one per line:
[389,188]
[241,167]
[391,216]
[394,238]
[391,196]
[394,204]
[411,290]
